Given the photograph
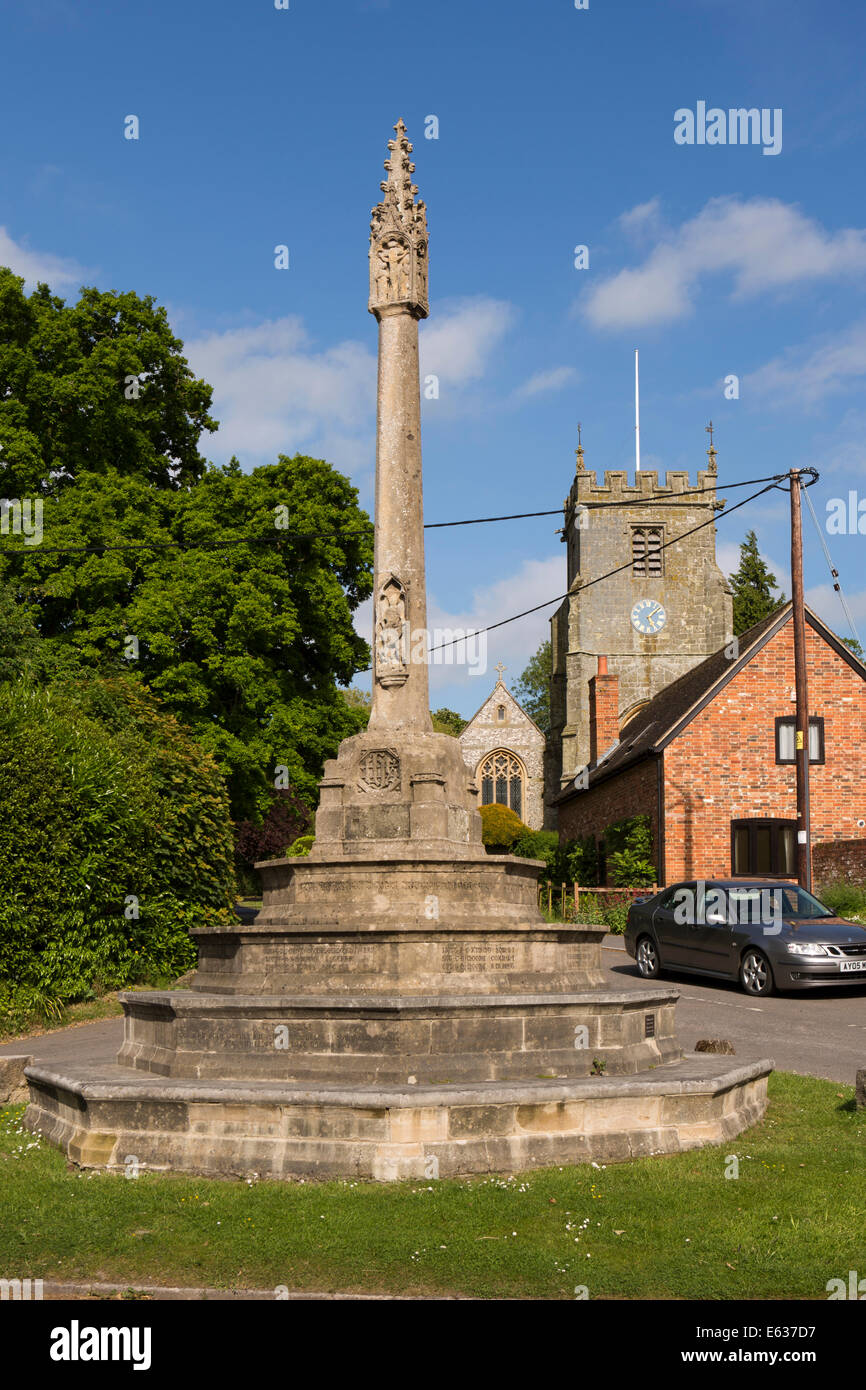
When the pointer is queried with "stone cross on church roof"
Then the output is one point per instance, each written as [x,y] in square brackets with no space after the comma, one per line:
[500,668]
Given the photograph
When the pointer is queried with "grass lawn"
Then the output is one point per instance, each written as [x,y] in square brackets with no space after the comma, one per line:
[659,1228]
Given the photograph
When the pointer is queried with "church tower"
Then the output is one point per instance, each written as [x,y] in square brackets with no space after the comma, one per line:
[665,610]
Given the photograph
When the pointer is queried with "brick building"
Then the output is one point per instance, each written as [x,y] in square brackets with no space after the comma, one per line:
[710,759]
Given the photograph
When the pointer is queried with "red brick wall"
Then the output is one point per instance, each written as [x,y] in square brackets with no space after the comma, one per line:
[723,766]
[632,793]
[839,859]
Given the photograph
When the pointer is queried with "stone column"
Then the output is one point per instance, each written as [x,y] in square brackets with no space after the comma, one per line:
[398,299]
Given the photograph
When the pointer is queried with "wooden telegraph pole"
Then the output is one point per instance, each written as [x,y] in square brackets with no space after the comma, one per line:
[804,850]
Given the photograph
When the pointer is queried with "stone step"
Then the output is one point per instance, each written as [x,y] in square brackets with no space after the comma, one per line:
[111,1118]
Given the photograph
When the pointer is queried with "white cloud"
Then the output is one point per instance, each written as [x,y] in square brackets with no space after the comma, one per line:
[57,271]
[552,380]
[643,219]
[458,344]
[728,560]
[806,375]
[823,600]
[728,556]
[274,393]
[536,581]
[762,244]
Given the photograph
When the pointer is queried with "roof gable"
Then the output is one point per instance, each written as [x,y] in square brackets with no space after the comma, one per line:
[671,711]
[485,716]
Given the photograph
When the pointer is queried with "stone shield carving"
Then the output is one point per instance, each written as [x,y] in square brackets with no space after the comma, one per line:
[379,771]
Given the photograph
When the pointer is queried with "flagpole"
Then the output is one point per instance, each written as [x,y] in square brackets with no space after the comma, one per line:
[636,414]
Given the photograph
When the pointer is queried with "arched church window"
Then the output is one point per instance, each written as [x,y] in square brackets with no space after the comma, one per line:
[646,550]
[501,775]
[500,713]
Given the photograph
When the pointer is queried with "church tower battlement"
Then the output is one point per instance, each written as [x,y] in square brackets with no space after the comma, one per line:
[666,608]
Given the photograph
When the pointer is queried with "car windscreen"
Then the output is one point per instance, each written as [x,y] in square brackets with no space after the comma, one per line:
[747,904]
[796,902]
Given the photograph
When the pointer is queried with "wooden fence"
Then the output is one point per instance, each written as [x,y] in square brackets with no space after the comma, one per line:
[576,890]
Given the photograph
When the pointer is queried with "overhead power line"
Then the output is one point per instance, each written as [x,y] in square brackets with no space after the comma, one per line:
[619,569]
[834,573]
[131,546]
[773,483]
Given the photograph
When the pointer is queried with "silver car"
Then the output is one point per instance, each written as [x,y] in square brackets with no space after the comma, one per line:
[766,934]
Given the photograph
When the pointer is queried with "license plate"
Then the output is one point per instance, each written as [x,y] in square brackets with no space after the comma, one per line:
[853,965]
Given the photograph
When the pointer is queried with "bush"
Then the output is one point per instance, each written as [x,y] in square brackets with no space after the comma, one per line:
[537,844]
[845,899]
[302,845]
[502,828]
[595,909]
[115,839]
[287,818]
[628,845]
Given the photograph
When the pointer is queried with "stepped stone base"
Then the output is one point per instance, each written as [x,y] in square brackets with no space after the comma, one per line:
[372,1040]
[106,1117]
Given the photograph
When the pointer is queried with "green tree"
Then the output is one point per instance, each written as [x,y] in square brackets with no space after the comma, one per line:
[447,721]
[360,702]
[629,850]
[532,691]
[753,586]
[115,839]
[245,640]
[97,386]
[23,653]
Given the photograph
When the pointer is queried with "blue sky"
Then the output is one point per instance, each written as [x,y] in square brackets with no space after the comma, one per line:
[261,127]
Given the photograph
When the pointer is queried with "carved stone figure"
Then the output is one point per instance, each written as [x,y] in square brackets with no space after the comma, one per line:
[398,236]
[392,280]
[391,662]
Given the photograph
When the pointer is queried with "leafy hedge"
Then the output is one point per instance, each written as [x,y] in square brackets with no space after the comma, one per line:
[115,839]
[629,849]
[501,828]
[845,899]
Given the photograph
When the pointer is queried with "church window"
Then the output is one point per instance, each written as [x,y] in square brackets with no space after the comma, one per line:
[646,550]
[501,775]
[500,713]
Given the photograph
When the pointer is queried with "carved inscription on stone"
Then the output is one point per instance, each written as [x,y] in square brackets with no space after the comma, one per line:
[477,959]
[379,771]
[337,956]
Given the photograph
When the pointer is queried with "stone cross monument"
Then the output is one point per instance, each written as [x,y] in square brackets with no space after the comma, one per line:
[398,298]
[399,1007]
[399,788]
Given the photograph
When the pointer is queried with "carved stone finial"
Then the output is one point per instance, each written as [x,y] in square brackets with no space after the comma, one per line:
[712,452]
[398,236]
[581,466]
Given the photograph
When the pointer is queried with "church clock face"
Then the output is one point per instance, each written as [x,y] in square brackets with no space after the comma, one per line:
[648,616]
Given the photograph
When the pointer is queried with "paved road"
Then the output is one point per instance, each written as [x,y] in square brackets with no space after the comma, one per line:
[821,1034]
[83,1042]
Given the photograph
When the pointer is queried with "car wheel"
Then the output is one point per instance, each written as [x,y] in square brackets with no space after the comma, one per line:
[756,975]
[647,957]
